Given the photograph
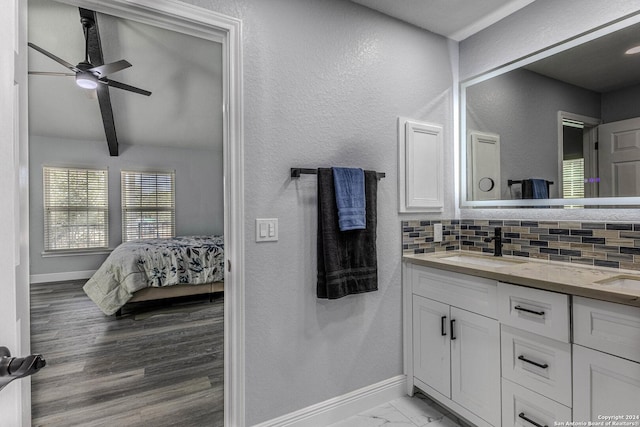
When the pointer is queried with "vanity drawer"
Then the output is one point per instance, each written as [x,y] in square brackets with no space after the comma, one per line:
[537,363]
[475,294]
[608,327]
[534,310]
[522,407]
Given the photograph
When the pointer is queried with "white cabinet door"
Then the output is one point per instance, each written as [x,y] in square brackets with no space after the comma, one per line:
[604,385]
[431,350]
[420,171]
[475,364]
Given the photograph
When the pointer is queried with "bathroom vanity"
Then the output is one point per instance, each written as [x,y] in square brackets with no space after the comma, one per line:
[506,341]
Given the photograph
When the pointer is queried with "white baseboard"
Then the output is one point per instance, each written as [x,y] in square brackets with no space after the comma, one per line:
[61,277]
[342,407]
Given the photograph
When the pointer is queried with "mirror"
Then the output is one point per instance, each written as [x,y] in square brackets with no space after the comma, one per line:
[560,128]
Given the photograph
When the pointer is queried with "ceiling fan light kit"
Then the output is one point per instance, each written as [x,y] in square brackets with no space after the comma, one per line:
[92,74]
[86,81]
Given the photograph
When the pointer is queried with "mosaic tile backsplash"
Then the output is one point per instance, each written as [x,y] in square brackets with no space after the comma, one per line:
[602,244]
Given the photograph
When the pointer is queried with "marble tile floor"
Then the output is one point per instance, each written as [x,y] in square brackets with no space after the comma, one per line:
[416,411]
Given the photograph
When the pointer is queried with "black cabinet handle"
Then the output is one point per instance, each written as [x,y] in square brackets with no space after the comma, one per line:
[443,326]
[539,365]
[453,336]
[524,417]
[539,313]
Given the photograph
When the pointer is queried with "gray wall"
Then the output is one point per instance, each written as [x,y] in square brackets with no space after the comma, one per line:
[535,27]
[621,104]
[324,83]
[199,191]
[522,107]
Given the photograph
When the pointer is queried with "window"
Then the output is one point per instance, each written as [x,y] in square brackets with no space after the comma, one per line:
[148,205]
[573,178]
[76,211]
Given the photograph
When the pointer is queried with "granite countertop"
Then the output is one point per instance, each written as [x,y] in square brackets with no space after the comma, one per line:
[573,279]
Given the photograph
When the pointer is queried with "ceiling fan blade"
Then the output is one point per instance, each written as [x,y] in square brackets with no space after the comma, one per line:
[52,56]
[51,73]
[104,100]
[94,52]
[110,68]
[118,85]
[94,46]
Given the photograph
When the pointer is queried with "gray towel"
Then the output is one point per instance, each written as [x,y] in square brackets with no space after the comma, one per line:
[347,260]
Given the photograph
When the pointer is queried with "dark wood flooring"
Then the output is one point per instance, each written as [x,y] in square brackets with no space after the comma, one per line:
[157,365]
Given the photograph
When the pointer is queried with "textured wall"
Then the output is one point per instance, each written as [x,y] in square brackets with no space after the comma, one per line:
[199,195]
[537,26]
[324,84]
[522,107]
[621,104]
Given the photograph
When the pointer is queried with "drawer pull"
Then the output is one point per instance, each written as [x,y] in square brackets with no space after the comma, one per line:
[539,313]
[524,417]
[453,322]
[539,365]
[443,326]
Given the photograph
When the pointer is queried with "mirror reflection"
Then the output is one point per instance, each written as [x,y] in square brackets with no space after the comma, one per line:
[563,127]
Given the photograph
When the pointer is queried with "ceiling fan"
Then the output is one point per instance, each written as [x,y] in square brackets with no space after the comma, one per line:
[91,73]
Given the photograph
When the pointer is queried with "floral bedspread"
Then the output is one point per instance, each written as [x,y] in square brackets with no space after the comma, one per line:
[155,263]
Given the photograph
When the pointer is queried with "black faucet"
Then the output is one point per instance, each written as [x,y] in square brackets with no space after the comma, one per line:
[497,238]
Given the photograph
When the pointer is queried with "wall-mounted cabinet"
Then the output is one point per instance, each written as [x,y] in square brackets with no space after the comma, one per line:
[420,168]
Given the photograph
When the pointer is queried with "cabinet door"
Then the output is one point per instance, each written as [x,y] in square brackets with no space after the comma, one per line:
[475,364]
[431,351]
[604,385]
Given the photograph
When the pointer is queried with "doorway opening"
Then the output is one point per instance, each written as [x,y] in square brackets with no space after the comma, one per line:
[577,156]
[186,19]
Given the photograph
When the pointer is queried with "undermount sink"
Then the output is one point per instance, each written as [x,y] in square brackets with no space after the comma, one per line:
[622,281]
[487,261]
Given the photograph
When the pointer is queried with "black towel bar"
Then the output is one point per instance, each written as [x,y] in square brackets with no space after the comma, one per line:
[296,172]
[510,182]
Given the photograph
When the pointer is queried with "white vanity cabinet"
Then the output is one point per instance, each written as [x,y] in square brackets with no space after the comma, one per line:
[606,356]
[500,354]
[455,342]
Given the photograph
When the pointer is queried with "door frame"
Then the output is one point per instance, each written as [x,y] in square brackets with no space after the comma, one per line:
[591,157]
[204,23]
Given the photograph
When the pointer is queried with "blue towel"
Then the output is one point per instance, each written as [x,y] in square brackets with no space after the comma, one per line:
[350,198]
[539,187]
[535,189]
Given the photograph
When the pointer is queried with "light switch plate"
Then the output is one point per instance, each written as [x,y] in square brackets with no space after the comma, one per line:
[266,229]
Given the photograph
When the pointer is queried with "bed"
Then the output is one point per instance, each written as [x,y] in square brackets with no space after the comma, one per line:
[149,269]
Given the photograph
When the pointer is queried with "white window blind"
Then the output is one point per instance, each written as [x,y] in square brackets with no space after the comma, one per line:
[573,178]
[76,211]
[148,205]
